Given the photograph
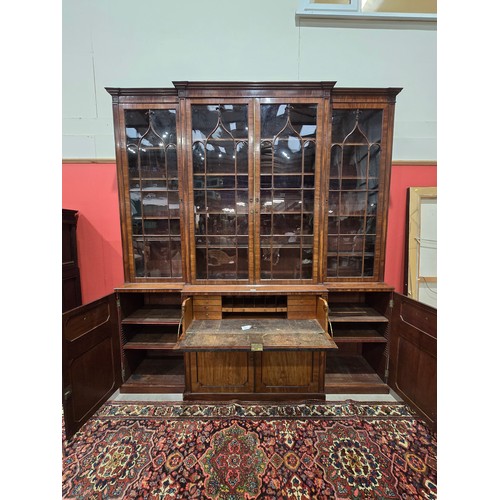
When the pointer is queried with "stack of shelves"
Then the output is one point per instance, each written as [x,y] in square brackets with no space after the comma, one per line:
[360,329]
[150,327]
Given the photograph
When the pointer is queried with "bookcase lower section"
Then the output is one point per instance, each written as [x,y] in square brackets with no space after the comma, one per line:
[284,353]
[254,376]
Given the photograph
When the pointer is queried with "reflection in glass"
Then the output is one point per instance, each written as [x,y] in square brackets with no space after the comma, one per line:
[153,192]
[220,182]
[353,192]
[157,257]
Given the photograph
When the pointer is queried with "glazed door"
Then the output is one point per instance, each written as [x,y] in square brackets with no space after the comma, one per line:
[222,189]
[151,200]
[287,182]
[91,366]
[413,355]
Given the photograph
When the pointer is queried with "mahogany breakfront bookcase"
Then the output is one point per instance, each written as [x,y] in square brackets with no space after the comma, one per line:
[253,220]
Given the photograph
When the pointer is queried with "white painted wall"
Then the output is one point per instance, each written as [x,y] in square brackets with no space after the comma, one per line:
[124,43]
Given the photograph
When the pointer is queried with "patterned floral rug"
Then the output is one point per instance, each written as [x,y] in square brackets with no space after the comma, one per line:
[244,451]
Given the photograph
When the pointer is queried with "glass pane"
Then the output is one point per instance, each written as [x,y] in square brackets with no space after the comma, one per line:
[242,158]
[309,156]
[153,192]
[242,202]
[157,258]
[348,244]
[155,203]
[369,246]
[220,181]
[221,263]
[242,267]
[221,241]
[374,165]
[286,263]
[220,157]
[333,225]
[349,266]
[333,202]
[353,202]
[234,118]
[138,250]
[415,6]
[372,202]
[221,224]
[287,181]
[351,225]
[266,182]
[354,162]
[368,267]
[157,227]
[198,158]
[344,122]
[298,201]
[332,265]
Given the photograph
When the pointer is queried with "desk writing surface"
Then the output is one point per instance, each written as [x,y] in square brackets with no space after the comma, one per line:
[255,334]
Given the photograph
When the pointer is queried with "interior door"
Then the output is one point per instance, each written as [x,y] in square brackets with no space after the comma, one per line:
[413,355]
[91,367]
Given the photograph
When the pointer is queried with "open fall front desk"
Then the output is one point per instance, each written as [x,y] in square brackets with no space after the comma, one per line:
[255,335]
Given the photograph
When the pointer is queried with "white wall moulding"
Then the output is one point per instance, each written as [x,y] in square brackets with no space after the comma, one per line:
[391,14]
[397,163]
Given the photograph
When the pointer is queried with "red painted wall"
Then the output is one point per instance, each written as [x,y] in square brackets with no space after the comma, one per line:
[92,190]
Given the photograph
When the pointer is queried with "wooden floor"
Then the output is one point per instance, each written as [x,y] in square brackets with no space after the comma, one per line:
[117,396]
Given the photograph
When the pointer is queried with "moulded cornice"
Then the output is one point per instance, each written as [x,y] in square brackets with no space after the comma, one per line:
[186,88]
[117,92]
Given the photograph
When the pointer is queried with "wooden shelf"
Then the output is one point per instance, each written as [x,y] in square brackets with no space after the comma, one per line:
[145,178]
[254,309]
[154,315]
[358,336]
[354,313]
[352,375]
[158,375]
[155,217]
[156,341]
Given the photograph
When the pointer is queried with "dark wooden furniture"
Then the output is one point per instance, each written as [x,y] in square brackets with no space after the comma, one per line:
[71,288]
[247,206]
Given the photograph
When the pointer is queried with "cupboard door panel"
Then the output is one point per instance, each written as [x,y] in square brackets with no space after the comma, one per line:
[413,355]
[288,371]
[225,371]
[91,360]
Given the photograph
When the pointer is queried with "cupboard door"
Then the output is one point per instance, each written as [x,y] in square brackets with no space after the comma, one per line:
[91,360]
[289,371]
[152,201]
[222,185]
[353,192]
[413,355]
[221,372]
[71,288]
[287,182]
